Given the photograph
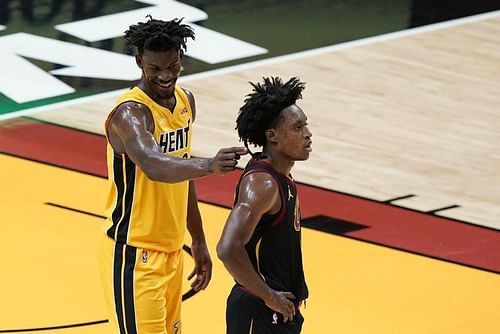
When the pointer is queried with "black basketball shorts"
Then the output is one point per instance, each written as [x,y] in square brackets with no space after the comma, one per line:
[247,314]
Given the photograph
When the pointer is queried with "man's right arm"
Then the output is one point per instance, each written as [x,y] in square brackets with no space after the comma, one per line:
[258,195]
[130,131]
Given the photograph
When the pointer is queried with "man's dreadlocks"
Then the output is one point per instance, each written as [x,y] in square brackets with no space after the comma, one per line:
[262,108]
[157,35]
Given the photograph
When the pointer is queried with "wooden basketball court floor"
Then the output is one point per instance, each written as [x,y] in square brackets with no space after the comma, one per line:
[400,196]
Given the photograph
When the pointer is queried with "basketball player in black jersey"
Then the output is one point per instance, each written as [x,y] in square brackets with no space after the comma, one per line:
[261,242]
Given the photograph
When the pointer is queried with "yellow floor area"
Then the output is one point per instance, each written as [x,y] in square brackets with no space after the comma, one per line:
[49,271]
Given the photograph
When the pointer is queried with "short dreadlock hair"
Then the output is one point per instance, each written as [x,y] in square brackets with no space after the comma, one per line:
[262,108]
[158,35]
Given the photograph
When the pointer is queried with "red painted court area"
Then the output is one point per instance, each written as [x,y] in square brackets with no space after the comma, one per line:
[55,145]
[374,222]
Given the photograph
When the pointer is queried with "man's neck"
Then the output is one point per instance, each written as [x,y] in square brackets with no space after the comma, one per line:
[168,102]
[282,165]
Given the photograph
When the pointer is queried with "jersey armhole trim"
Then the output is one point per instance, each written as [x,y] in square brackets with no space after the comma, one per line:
[281,212]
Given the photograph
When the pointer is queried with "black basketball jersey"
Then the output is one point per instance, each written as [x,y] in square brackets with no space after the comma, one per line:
[275,246]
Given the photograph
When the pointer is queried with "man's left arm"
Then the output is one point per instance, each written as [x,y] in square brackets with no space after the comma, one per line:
[202,271]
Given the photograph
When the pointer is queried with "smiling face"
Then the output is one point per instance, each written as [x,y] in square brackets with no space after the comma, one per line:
[291,136]
[160,71]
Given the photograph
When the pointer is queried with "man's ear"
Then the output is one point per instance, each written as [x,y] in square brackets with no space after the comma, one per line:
[138,61]
[271,135]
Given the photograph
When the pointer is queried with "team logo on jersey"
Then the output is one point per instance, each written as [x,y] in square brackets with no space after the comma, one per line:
[144,256]
[175,140]
[290,195]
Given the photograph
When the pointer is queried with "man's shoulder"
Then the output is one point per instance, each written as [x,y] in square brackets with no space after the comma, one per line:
[259,181]
[126,111]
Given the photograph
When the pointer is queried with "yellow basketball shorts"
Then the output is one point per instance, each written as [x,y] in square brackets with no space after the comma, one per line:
[143,288]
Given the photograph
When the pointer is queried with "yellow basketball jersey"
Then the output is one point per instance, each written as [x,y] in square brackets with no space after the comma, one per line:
[141,212]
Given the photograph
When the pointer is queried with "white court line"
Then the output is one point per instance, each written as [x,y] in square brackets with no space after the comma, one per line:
[80,100]
[279,59]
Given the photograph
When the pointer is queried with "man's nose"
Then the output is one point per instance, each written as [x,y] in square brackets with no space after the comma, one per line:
[308,132]
[165,75]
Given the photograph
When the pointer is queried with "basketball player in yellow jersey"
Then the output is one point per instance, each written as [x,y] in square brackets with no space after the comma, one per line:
[151,198]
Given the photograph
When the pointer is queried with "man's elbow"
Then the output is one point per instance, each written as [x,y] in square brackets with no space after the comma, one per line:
[223,251]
